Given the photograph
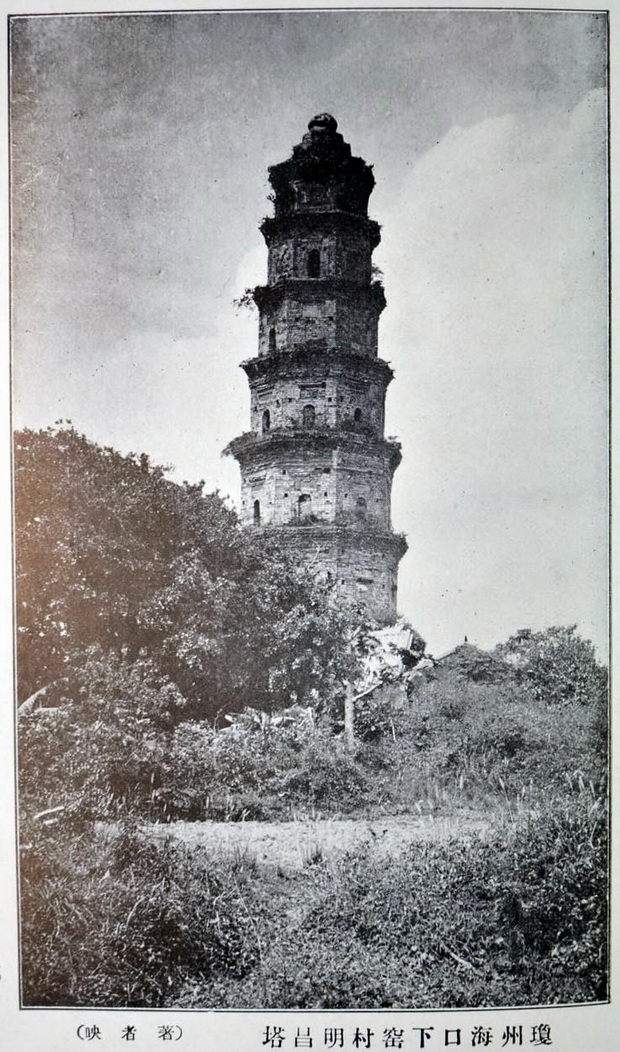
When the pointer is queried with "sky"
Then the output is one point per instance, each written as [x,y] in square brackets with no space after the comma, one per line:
[140,148]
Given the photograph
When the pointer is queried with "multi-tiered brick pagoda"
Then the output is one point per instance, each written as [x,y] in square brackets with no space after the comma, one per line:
[316,469]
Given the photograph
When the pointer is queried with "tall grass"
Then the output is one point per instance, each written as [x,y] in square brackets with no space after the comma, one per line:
[486,746]
[516,918]
[119,920]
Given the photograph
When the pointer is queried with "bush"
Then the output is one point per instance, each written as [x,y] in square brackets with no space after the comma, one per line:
[122,921]
[463,743]
[253,771]
[325,777]
[516,918]
[476,665]
[103,748]
[375,715]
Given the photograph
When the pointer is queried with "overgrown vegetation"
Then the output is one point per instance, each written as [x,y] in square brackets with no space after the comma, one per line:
[169,667]
[121,920]
[516,918]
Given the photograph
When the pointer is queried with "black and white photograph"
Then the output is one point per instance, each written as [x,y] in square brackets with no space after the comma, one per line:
[310,518]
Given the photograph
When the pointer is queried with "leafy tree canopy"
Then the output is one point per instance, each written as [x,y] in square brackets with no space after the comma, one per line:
[556,665]
[112,554]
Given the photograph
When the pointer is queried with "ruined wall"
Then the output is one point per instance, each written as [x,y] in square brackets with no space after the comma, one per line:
[317,254]
[343,486]
[363,568]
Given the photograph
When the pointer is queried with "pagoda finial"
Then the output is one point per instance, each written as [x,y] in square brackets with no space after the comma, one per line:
[323,122]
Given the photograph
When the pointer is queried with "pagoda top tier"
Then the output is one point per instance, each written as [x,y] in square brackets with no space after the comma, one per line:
[321,175]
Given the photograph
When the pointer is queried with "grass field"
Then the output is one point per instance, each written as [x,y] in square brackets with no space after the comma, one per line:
[485,913]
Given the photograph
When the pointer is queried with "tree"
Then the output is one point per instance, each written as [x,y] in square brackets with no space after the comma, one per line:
[112,554]
[104,748]
[556,665]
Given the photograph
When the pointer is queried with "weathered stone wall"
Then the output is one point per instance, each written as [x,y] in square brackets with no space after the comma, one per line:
[357,328]
[335,401]
[363,567]
[315,255]
[294,321]
[337,318]
[337,486]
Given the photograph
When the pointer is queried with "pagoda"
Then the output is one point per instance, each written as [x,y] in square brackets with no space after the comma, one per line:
[316,469]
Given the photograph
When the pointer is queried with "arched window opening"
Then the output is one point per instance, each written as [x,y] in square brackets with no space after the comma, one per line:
[361,507]
[256,512]
[272,341]
[304,506]
[314,263]
[308,416]
[266,420]
[357,416]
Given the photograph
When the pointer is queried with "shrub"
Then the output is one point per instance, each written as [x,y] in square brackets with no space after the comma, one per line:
[375,715]
[516,918]
[325,777]
[253,771]
[122,921]
[103,748]
[470,743]
[476,665]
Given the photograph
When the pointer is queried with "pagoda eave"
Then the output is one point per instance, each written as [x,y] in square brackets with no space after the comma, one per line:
[273,227]
[268,297]
[306,357]
[339,536]
[250,445]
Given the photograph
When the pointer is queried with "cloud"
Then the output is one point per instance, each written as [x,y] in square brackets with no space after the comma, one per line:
[495,268]
[155,392]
